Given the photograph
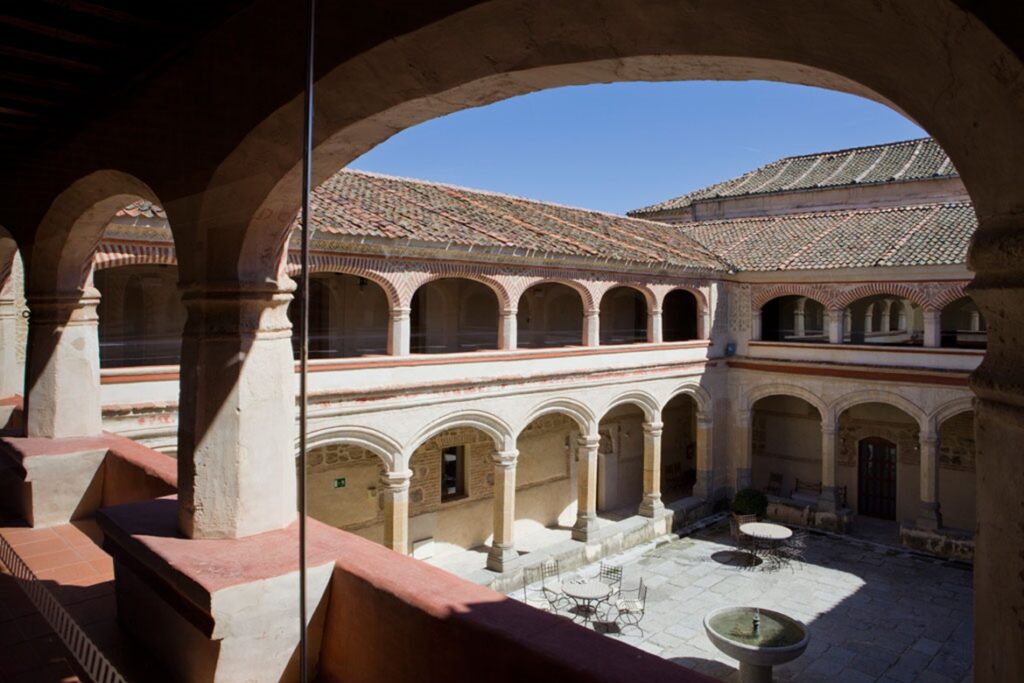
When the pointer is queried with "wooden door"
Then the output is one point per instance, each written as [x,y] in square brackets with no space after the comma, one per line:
[876,478]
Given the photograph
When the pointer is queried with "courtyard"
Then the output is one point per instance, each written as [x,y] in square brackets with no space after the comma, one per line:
[875,613]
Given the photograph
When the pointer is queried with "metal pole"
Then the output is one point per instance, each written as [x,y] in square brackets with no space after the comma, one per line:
[307,174]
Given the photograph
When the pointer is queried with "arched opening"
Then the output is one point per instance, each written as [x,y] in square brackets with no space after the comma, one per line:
[963,326]
[348,317]
[620,462]
[545,505]
[878,463]
[786,450]
[343,489]
[957,483]
[678,448]
[680,316]
[623,317]
[794,319]
[550,314]
[454,315]
[451,495]
[141,316]
[13,326]
[884,319]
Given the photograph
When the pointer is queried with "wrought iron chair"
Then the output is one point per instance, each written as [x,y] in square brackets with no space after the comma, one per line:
[774,487]
[630,606]
[535,597]
[611,575]
[794,547]
[551,585]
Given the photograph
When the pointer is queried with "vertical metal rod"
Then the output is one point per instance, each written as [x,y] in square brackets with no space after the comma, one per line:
[307,173]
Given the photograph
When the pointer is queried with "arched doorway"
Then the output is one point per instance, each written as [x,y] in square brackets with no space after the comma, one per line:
[623,317]
[545,506]
[343,489]
[550,314]
[678,448]
[454,315]
[786,450]
[680,316]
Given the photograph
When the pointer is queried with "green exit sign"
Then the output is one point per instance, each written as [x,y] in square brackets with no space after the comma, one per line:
[339,483]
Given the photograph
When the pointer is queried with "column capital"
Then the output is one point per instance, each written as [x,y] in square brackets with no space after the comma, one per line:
[396,481]
[76,307]
[929,439]
[654,311]
[830,429]
[743,416]
[653,428]
[704,420]
[231,309]
[509,311]
[591,312]
[587,441]
[505,459]
[399,312]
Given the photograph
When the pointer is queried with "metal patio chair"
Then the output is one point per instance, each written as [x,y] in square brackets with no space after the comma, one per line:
[611,575]
[630,606]
[535,597]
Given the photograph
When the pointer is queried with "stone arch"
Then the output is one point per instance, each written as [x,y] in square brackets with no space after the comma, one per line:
[380,444]
[912,293]
[948,295]
[71,229]
[580,413]
[699,394]
[650,297]
[819,293]
[755,394]
[951,409]
[887,397]
[641,399]
[492,425]
[585,296]
[455,271]
[336,263]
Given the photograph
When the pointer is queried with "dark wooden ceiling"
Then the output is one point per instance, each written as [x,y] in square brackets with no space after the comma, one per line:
[61,59]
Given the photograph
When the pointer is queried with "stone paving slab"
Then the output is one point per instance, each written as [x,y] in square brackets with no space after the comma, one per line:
[876,614]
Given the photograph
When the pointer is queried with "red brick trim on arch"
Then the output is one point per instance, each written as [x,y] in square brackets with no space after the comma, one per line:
[948,295]
[349,265]
[445,270]
[116,254]
[916,294]
[824,295]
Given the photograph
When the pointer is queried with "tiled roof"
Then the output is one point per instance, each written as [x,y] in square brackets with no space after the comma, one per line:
[366,204]
[931,234]
[907,160]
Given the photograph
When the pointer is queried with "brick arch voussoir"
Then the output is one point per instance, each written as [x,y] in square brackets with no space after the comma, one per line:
[357,267]
[948,295]
[116,256]
[913,293]
[825,296]
[455,270]
[525,283]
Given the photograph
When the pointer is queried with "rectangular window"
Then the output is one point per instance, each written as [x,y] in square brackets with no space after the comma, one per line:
[453,473]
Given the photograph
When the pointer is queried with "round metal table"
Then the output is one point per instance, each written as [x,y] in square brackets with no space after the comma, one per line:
[766,538]
[586,596]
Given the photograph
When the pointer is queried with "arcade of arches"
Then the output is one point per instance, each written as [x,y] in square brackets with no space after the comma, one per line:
[231,405]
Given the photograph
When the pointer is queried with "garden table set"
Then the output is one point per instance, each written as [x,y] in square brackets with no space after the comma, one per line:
[587,601]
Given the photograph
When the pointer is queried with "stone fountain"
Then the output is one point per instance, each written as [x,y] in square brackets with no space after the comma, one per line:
[758,638]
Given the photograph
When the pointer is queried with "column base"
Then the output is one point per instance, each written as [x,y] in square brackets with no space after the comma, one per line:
[929,516]
[501,558]
[231,604]
[828,501]
[585,528]
[651,506]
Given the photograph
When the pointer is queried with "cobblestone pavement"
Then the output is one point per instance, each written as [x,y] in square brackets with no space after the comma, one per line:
[875,613]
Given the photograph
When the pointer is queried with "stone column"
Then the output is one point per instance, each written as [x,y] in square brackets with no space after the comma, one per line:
[829,499]
[63,373]
[743,449]
[835,326]
[10,382]
[236,423]
[755,325]
[399,332]
[975,321]
[932,328]
[395,493]
[929,515]
[592,327]
[886,323]
[799,327]
[655,335]
[651,504]
[704,486]
[847,323]
[869,319]
[508,332]
[586,482]
[502,555]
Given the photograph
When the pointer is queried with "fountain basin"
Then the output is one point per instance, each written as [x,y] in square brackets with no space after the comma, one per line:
[779,639]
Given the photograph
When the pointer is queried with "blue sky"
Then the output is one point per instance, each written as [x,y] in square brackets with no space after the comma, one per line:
[625,145]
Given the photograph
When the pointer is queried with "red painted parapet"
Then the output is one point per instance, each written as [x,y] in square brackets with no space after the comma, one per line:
[393,618]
